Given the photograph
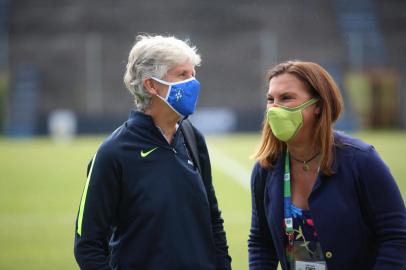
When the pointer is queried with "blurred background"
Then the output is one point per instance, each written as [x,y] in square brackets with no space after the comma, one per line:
[68,58]
[61,90]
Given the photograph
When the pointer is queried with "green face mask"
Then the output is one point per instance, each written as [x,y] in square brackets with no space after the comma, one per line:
[286,122]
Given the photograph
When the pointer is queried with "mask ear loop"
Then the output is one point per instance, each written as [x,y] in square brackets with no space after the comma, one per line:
[164,83]
[169,91]
[301,106]
[173,83]
[161,81]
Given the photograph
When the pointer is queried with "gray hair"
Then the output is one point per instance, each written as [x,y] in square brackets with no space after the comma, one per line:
[153,56]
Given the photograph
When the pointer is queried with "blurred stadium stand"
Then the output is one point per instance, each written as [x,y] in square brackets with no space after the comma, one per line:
[78,50]
[4,57]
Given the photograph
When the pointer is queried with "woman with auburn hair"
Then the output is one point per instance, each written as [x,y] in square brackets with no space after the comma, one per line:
[320,199]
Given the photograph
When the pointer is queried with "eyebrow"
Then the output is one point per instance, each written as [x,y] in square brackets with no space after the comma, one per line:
[181,71]
[287,92]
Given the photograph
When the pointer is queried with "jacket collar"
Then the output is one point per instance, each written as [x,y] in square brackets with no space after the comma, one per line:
[143,126]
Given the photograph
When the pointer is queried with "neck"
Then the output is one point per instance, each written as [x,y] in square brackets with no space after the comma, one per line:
[302,151]
[163,116]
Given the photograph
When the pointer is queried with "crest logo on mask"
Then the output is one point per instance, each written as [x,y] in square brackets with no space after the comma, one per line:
[179,94]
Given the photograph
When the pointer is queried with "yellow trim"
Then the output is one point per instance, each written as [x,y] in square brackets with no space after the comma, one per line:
[83,199]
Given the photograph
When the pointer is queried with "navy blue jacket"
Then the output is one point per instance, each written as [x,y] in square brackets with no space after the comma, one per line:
[150,211]
[358,213]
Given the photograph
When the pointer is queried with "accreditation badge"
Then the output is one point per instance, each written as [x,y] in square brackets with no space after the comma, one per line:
[300,265]
[307,256]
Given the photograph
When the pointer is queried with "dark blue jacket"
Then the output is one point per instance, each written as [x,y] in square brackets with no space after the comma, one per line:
[358,213]
[150,211]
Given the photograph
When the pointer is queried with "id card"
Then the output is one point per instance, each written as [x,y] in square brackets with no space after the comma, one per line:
[301,265]
[307,256]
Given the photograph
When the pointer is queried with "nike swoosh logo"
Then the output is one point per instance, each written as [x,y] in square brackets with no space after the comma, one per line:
[144,154]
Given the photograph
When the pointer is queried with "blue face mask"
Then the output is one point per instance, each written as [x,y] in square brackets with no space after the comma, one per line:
[182,96]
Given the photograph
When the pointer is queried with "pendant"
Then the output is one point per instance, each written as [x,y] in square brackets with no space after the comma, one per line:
[305,167]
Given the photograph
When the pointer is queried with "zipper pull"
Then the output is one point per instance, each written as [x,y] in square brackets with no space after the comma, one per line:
[173,149]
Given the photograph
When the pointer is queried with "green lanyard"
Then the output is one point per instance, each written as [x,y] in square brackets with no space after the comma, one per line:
[287,197]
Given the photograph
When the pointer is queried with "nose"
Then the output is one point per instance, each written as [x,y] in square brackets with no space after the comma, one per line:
[272,105]
[269,106]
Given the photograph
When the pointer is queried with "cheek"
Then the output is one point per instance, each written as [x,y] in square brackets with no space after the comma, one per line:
[309,117]
[163,91]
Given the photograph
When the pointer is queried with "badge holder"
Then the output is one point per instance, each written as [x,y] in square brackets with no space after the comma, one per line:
[307,256]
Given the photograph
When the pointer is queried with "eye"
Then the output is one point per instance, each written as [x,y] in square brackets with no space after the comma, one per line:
[286,97]
[187,74]
[270,99]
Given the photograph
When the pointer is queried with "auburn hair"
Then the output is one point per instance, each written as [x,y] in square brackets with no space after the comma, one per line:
[321,85]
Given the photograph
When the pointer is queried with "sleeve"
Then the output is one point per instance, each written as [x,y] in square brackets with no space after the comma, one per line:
[261,251]
[97,212]
[386,211]
[222,257]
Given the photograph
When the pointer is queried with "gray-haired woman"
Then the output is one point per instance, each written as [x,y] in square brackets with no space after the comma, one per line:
[145,204]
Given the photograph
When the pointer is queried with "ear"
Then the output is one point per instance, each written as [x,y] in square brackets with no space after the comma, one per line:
[150,86]
[317,110]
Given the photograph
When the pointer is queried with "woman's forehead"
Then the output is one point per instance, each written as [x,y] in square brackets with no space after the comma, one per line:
[188,67]
[286,83]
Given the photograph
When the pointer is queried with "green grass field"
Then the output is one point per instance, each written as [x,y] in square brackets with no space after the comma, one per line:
[41,185]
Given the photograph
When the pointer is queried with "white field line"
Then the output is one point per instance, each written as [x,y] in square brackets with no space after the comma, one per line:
[28,220]
[230,167]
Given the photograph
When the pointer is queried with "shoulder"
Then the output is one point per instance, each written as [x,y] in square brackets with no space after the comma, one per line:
[197,132]
[257,168]
[350,149]
[258,172]
[345,141]
[200,140]
[357,153]
[110,147]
